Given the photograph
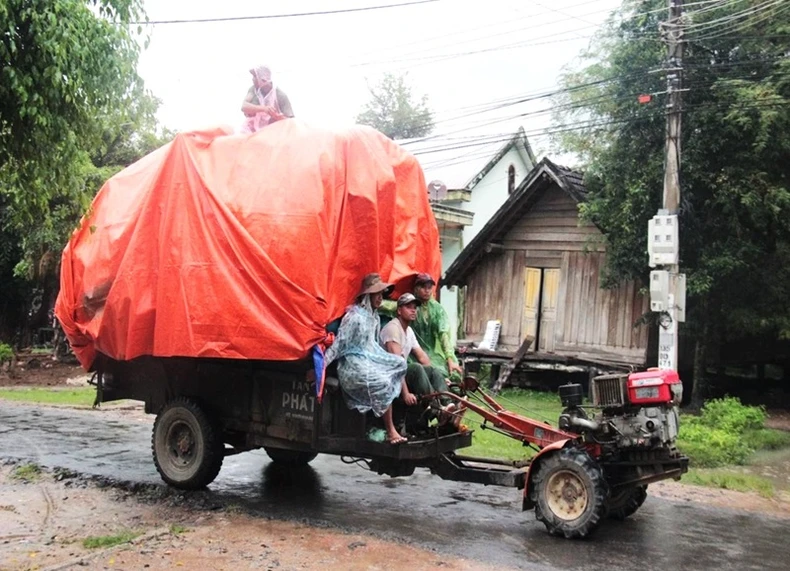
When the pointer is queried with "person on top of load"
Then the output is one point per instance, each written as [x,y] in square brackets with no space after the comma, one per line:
[264,103]
[370,377]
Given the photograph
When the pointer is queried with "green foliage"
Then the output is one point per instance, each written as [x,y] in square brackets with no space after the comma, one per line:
[6,353]
[393,110]
[726,432]
[735,202]
[71,105]
[26,473]
[728,480]
[104,541]
[730,415]
[709,447]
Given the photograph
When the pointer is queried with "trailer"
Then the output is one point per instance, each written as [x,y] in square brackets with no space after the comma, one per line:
[596,463]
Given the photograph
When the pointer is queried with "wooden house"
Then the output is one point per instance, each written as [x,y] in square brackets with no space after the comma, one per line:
[466,187]
[536,266]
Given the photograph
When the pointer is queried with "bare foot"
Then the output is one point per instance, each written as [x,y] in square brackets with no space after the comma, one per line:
[396,438]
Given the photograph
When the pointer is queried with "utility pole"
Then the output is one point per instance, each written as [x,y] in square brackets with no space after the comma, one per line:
[667,284]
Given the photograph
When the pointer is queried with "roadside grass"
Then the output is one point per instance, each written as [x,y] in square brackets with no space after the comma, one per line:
[41,351]
[729,480]
[537,405]
[767,439]
[177,529]
[78,396]
[104,541]
[27,473]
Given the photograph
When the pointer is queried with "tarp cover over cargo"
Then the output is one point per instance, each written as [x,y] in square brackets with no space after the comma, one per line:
[242,246]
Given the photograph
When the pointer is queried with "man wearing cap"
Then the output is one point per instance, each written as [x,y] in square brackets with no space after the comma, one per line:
[397,337]
[432,327]
[371,378]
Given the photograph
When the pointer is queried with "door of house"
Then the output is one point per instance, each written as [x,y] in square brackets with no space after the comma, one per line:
[541,289]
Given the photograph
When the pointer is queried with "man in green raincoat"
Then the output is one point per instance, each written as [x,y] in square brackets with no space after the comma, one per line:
[432,328]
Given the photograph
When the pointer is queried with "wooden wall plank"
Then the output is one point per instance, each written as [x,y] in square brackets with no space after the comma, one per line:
[582,305]
[611,336]
[577,272]
[597,294]
[621,296]
[554,246]
[510,322]
[563,299]
[604,307]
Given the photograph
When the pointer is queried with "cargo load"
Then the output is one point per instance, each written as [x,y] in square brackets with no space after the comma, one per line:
[242,246]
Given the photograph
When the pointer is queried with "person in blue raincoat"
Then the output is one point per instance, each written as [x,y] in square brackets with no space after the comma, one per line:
[371,378]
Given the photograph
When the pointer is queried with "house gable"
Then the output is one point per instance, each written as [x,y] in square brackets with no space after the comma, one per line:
[534,192]
[552,226]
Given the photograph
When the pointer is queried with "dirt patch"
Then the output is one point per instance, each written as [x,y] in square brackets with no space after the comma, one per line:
[778,419]
[43,525]
[41,371]
[778,506]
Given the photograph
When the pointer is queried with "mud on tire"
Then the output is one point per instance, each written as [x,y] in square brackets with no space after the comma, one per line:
[187,446]
[570,493]
[290,457]
[624,503]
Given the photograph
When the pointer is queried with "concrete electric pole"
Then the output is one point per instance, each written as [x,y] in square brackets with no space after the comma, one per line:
[667,284]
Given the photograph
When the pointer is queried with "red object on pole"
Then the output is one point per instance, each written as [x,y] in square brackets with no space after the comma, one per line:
[645,98]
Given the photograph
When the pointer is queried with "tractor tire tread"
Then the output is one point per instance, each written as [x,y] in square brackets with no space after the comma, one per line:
[577,460]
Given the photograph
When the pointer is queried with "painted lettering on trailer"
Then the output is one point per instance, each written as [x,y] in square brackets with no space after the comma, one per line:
[299,402]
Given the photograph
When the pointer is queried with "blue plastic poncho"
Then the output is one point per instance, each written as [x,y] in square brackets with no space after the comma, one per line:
[369,376]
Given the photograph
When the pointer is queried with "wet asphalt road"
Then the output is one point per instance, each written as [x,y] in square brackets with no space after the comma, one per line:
[467,520]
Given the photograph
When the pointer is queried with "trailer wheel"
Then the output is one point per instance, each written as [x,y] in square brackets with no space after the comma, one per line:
[187,447]
[569,492]
[290,457]
[624,503]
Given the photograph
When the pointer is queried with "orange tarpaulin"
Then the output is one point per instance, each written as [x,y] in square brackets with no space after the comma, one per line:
[242,246]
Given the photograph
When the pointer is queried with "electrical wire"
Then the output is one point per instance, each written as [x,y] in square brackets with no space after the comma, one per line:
[275,16]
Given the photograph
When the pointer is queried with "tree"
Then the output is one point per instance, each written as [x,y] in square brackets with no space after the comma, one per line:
[393,110]
[735,172]
[73,111]
[68,74]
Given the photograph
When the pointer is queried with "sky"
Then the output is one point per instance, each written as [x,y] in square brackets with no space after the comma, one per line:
[463,55]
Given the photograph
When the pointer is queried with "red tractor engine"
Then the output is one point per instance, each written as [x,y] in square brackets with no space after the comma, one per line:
[636,411]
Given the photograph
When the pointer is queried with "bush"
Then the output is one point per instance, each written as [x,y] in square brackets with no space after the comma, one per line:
[725,432]
[729,414]
[6,353]
[710,447]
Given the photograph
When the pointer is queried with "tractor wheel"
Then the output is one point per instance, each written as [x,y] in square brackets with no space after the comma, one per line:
[570,493]
[187,447]
[625,502]
[290,457]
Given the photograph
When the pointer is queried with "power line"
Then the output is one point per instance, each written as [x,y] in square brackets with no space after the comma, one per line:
[291,15]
